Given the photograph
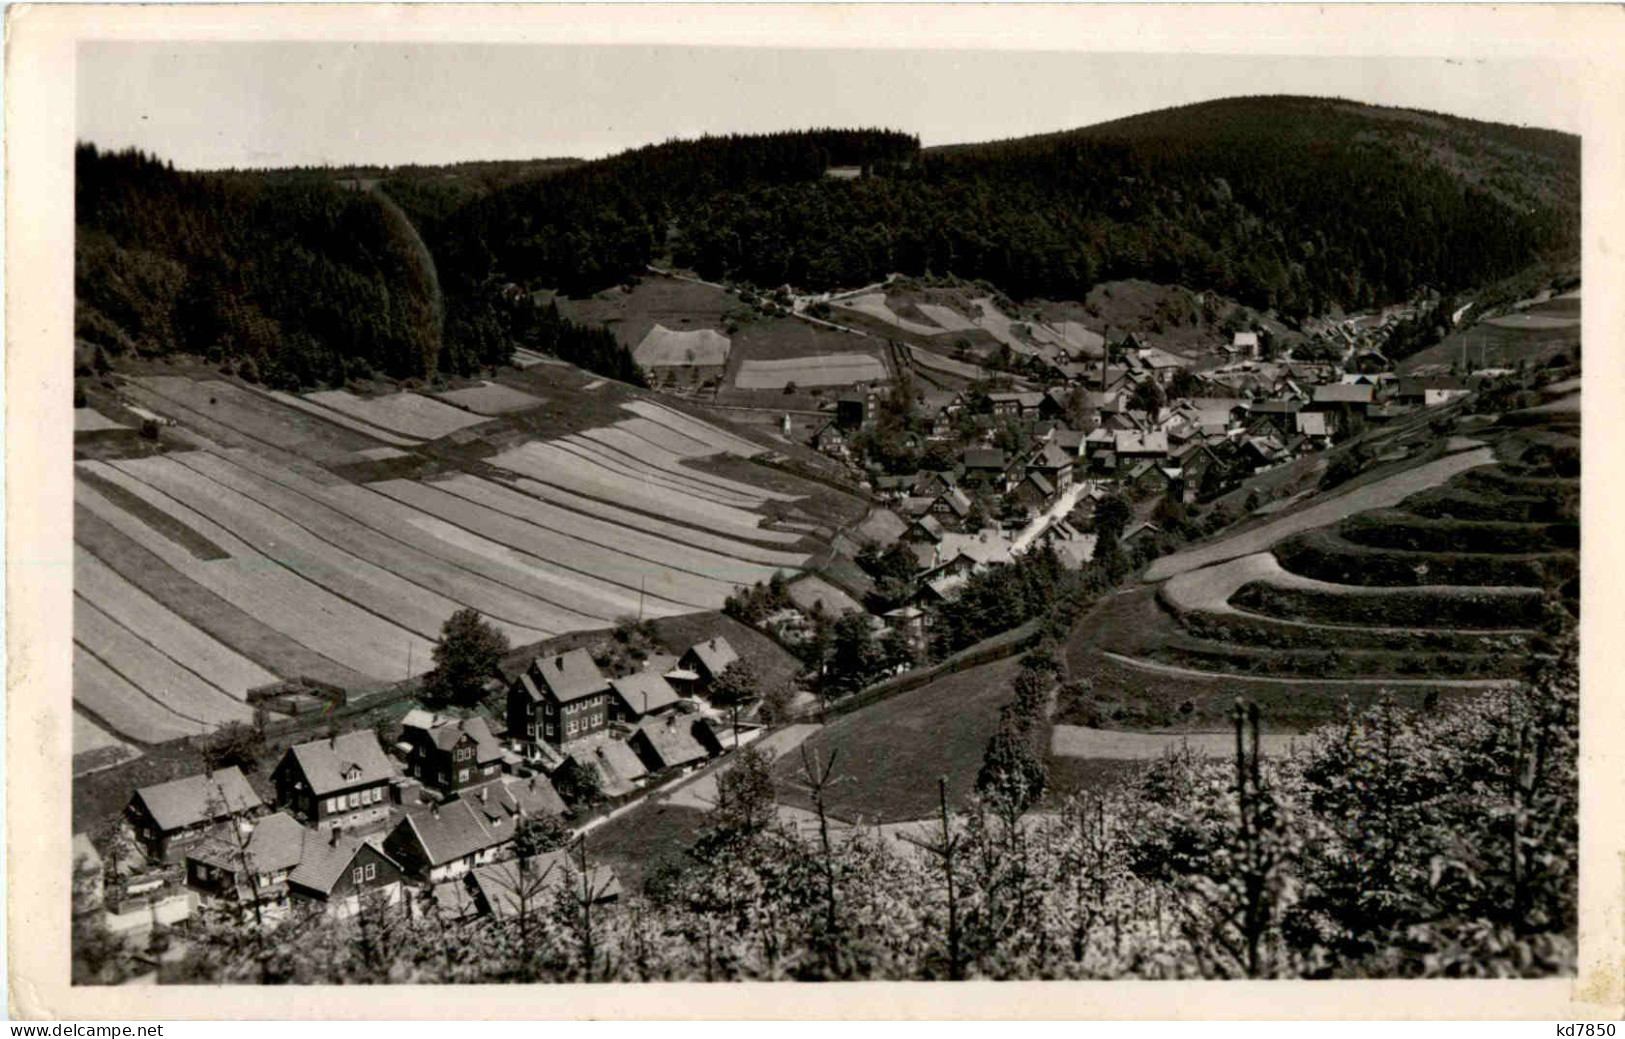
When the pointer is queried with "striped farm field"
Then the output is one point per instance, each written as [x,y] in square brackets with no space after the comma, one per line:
[507,586]
[947,317]
[88,737]
[89,420]
[262,419]
[405,413]
[553,465]
[635,543]
[490,398]
[305,612]
[622,448]
[516,615]
[284,542]
[821,370]
[339,419]
[204,610]
[104,693]
[218,432]
[626,460]
[668,441]
[728,546]
[155,674]
[153,623]
[662,585]
[654,433]
[704,432]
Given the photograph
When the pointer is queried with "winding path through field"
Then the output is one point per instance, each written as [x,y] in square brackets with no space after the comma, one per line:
[1382,494]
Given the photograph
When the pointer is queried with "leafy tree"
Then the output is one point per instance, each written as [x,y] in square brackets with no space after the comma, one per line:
[737,687]
[540,833]
[1147,397]
[856,658]
[1183,385]
[469,651]
[1112,517]
[1012,776]
[577,785]
[747,792]
[234,744]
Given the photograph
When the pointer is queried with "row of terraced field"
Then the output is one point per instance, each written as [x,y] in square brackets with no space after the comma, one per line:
[1433,593]
[330,536]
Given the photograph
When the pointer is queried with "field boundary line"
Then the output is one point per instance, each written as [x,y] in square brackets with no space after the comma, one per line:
[1220,676]
[137,636]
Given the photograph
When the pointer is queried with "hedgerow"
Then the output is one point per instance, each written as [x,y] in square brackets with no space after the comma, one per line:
[1326,556]
[1386,528]
[1398,608]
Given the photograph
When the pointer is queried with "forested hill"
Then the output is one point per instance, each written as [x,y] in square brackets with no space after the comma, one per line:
[1287,204]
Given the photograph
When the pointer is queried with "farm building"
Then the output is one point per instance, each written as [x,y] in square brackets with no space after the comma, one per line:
[640,695]
[687,358]
[342,781]
[171,817]
[707,661]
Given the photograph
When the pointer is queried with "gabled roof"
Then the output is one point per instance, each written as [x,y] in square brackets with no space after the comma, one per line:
[1343,393]
[984,458]
[453,831]
[957,500]
[931,525]
[1275,407]
[1246,340]
[200,798]
[1038,480]
[1051,457]
[714,654]
[645,691]
[503,801]
[567,676]
[326,858]
[1314,423]
[276,843]
[506,887]
[672,740]
[1133,442]
[618,761]
[1070,440]
[353,759]
[446,733]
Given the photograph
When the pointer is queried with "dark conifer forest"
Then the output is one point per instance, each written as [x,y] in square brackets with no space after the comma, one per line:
[1293,205]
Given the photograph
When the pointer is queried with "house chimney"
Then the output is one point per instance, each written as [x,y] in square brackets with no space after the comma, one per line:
[484,794]
[434,809]
[333,837]
[558,662]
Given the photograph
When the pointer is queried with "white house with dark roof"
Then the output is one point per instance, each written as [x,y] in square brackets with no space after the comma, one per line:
[435,843]
[168,818]
[338,781]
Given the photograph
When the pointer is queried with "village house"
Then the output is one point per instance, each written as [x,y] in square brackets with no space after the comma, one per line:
[1278,417]
[283,865]
[674,741]
[912,622]
[504,890]
[1245,344]
[1055,465]
[829,439]
[857,409]
[985,466]
[1034,493]
[1019,405]
[1344,404]
[1431,391]
[449,753]
[927,530]
[617,765]
[706,661]
[558,699]
[438,842]
[641,694]
[171,817]
[951,506]
[1133,446]
[340,781]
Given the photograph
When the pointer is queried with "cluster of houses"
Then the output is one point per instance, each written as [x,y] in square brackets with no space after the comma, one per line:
[437,811]
[1090,435]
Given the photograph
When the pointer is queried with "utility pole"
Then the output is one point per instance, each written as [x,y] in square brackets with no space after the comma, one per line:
[409,658]
[642,581]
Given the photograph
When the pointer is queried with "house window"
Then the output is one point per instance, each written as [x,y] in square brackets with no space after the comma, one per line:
[462,775]
[358,875]
[550,710]
[332,804]
[372,870]
[550,730]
